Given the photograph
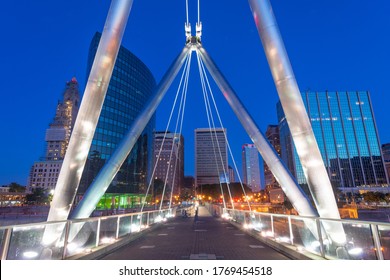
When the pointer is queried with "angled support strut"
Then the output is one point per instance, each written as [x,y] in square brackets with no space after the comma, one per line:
[97,189]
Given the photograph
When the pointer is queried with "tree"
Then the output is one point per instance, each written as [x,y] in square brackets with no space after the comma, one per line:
[374,197]
[15,187]
[38,196]
[288,204]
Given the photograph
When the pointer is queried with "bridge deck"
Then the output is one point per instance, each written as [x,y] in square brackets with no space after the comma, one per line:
[209,238]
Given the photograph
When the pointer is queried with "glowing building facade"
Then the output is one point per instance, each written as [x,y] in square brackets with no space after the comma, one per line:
[211,162]
[252,168]
[272,134]
[130,87]
[346,133]
[168,159]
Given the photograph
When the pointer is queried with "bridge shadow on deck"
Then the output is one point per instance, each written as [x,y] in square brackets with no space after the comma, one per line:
[208,238]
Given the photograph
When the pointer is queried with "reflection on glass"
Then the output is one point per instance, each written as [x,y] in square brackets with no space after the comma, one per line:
[384,236]
[345,130]
[124,225]
[85,238]
[26,243]
[108,228]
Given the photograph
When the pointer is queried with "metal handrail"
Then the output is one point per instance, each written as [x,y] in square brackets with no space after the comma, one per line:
[9,230]
[371,243]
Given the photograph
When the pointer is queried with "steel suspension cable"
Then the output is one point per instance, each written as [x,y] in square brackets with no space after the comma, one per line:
[208,113]
[180,131]
[167,127]
[224,133]
[227,141]
[181,108]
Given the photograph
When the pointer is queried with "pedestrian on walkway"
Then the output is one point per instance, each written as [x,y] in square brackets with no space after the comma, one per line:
[196,217]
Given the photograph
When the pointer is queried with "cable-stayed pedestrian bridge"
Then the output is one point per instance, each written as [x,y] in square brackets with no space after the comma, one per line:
[318,231]
[216,234]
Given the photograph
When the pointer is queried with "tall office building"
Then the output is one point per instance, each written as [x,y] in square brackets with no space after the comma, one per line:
[252,168]
[168,160]
[130,87]
[346,133]
[45,173]
[232,177]
[272,134]
[211,162]
[386,158]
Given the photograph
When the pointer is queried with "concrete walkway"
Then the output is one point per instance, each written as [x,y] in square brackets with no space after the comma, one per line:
[208,238]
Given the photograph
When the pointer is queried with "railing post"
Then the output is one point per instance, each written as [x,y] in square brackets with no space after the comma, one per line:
[131,223]
[377,241]
[117,228]
[98,233]
[6,242]
[290,229]
[66,237]
[322,249]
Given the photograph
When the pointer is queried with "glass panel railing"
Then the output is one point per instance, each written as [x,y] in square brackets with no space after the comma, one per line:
[2,239]
[32,242]
[364,240]
[136,223]
[144,220]
[82,237]
[153,216]
[265,225]
[305,233]
[108,229]
[124,225]
[384,237]
[281,229]
[359,241]
[239,216]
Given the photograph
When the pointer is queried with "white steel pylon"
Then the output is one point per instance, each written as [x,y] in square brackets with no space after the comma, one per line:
[89,111]
[285,82]
[296,116]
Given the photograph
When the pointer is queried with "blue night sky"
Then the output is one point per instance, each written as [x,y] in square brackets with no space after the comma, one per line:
[333,45]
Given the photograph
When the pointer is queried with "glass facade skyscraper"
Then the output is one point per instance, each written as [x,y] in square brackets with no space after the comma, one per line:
[253,168]
[130,87]
[346,133]
[386,157]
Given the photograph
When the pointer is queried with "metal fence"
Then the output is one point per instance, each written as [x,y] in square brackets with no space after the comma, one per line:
[364,240]
[64,239]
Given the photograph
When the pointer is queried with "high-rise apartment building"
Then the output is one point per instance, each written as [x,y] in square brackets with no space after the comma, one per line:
[130,87]
[386,158]
[346,133]
[44,173]
[252,167]
[168,160]
[211,161]
[272,134]
[232,177]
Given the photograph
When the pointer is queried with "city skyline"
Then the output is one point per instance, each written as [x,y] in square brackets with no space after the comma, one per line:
[47,44]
